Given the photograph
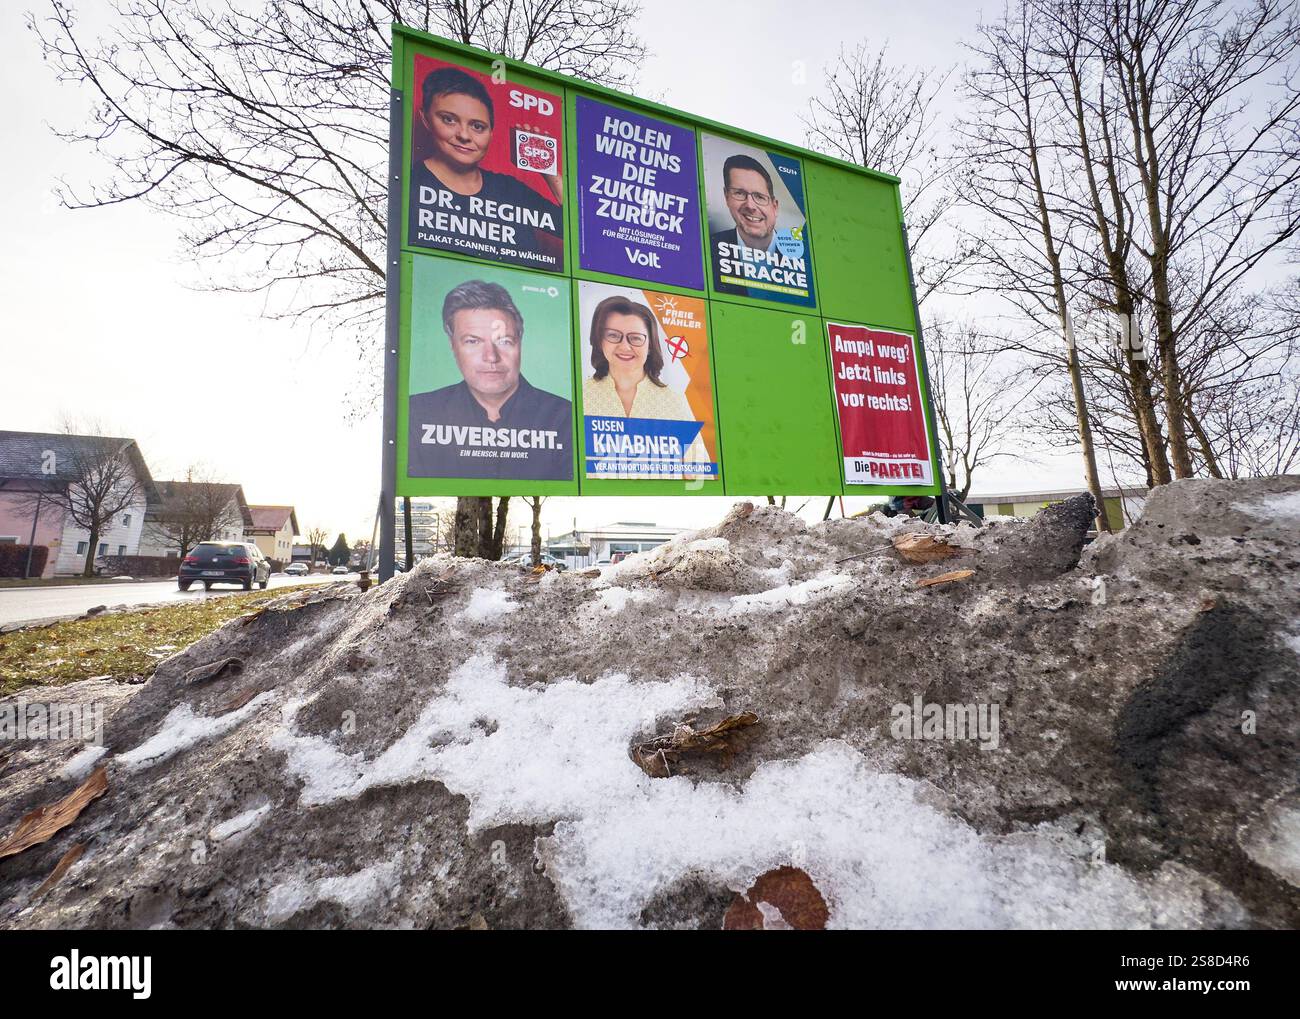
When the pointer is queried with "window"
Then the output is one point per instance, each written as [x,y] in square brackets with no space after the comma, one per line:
[103,548]
[6,539]
[81,548]
[121,550]
[126,520]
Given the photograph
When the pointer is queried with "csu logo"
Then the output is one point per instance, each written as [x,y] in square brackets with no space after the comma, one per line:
[527,101]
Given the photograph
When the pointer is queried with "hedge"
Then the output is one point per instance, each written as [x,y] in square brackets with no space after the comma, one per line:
[13,559]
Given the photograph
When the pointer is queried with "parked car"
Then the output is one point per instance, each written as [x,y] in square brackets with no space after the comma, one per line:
[525,561]
[296,570]
[224,562]
[340,571]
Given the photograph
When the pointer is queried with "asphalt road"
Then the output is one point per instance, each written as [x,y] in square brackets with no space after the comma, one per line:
[23,605]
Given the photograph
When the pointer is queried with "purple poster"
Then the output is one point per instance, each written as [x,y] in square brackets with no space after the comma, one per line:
[639,197]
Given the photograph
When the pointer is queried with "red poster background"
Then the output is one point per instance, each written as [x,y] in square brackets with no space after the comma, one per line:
[499,158]
[881,446]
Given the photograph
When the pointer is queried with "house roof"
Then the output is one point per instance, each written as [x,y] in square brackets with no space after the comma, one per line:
[176,497]
[26,456]
[271,518]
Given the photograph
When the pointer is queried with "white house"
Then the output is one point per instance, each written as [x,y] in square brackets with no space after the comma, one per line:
[196,510]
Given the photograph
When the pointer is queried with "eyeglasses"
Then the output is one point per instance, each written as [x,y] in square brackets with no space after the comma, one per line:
[614,337]
[741,195]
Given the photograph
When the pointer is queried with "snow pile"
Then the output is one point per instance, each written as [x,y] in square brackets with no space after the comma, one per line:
[454,748]
[182,729]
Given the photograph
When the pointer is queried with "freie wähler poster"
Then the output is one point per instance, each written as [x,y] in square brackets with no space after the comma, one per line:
[760,243]
[487,165]
[638,188]
[878,400]
[647,392]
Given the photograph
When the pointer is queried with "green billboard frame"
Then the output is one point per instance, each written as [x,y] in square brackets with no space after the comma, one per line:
[859,264]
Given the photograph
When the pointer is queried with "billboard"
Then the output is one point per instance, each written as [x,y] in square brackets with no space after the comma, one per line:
[647,391]
[486,175]
[489,377]
[638,196]
[760,244]
[878,401]
[597,294]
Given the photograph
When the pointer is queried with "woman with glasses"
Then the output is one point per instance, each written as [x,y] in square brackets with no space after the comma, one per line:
[627,359]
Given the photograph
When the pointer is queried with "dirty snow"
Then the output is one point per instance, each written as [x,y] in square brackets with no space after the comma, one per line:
[81,765]
[487,604]
[1284,505]
[182,729]
[352,891]
[239,824]
[814,589]
[879,853]
[616,599]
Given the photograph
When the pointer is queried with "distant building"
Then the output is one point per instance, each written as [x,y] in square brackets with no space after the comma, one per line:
[1122,504]
[273,529]
[196,511]
[34,466]
[583,547]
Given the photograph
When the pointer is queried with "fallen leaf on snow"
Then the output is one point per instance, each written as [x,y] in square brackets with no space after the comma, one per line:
[946,578]
[43,823]
[781,899]
[62,867]
[925,548]
[656,756]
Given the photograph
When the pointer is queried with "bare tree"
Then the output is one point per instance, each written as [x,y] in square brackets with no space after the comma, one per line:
[264,128]
[881,116]
[105,478]
[976,394]
[316,538]
[193,511]
[1010,176]
[1212,142]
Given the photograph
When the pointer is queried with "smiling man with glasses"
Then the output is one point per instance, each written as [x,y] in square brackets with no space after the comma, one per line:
[752,203]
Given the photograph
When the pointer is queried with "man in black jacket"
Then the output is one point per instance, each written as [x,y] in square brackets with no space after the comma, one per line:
[493,423]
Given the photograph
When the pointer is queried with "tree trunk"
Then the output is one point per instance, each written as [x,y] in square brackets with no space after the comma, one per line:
[499,533]
[1207,454]
[1153,439]
[537,531]
[466,529]
[89,569]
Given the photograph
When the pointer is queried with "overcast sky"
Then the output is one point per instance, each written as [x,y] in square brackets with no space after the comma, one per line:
[104,318]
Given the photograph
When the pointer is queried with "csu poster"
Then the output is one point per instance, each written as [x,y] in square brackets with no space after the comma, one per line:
[490,373]
[487,167]
[638,196]
[878,400]
[760,243]
[647,392]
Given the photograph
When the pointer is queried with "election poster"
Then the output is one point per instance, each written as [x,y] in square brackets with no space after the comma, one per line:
[490,373]
[878,400]
[759,240]
[487,165]
[647,394]
[638,196]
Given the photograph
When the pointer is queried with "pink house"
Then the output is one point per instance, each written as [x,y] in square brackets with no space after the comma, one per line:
[33,466]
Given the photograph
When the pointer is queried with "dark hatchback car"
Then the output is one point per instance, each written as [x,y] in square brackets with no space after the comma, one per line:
[224,562]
